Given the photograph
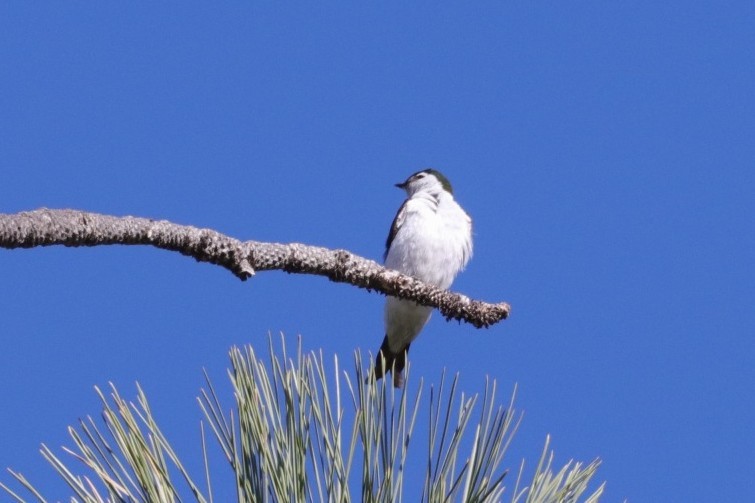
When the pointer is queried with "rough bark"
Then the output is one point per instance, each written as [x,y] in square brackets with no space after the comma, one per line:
[48,227]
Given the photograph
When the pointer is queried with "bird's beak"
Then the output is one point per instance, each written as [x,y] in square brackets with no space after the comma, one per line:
[401,185]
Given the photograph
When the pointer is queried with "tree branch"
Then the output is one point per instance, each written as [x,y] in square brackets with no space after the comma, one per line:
[46,227]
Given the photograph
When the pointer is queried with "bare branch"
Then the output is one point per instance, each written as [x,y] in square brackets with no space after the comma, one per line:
[46,227]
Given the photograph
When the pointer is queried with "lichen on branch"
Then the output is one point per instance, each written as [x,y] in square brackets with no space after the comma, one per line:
[49,227]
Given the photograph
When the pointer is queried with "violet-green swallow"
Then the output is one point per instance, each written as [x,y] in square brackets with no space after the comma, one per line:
[431,240]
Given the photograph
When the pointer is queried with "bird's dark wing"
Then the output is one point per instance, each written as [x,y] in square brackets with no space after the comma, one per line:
[395,226]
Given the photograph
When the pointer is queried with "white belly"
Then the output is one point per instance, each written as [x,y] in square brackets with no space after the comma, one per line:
[433,244]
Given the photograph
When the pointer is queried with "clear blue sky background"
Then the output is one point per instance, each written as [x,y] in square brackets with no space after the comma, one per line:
[604,150]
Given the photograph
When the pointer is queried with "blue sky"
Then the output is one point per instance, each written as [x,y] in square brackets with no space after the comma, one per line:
[604,150]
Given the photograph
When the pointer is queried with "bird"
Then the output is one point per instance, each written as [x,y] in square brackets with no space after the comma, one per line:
[431,240]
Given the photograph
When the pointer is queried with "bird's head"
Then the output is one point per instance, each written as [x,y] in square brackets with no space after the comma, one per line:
[428,180]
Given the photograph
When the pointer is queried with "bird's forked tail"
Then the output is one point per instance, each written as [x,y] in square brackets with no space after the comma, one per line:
[389,361]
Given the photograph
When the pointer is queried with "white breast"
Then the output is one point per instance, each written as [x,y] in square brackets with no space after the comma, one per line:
[434,241]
